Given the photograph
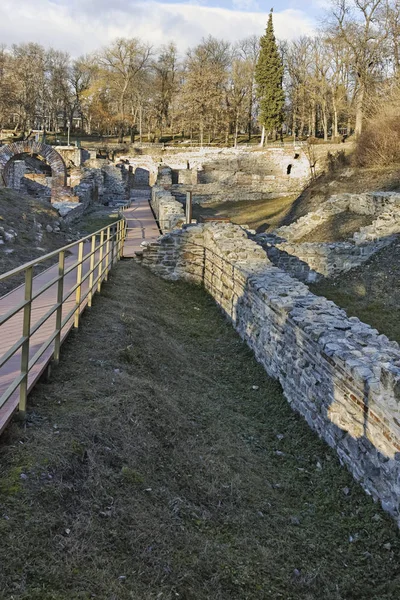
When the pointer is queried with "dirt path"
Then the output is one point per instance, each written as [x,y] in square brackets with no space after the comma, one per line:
[160,462]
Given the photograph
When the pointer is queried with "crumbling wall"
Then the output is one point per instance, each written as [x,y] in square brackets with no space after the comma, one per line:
[311,261]
[308,261]
[168,212]
[339,373]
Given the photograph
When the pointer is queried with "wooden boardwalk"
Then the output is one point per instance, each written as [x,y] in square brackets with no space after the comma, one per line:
[141,226]
[140,220]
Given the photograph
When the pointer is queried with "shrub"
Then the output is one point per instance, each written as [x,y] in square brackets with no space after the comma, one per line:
[379,143]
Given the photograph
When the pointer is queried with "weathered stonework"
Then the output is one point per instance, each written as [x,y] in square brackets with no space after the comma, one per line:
[339,373]
[168,212]
[309,261]
[49,155]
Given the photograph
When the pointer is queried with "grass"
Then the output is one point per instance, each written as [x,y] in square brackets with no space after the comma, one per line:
[262,215]
[22,214]
[97,218]
[338,228]
[369,292]
[160,462]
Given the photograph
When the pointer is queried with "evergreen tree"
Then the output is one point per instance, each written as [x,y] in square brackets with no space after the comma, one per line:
[269,78]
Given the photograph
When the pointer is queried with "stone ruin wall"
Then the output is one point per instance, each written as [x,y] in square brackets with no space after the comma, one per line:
[168,212]
[308,261]
[339,373]
[215,174]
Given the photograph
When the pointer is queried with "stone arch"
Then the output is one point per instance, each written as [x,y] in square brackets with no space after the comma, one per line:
[47,153]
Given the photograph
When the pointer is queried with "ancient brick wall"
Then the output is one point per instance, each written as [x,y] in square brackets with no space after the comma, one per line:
[339,373]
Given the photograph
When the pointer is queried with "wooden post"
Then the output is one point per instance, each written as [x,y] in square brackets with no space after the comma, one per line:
[100,270]
[119,240]
[123,237]
[78,296]
[60,294]
[113,248]
[91,276]
[108,257]
[189,207]
[26,330]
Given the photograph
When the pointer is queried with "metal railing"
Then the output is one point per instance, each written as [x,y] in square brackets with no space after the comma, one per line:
[78,278]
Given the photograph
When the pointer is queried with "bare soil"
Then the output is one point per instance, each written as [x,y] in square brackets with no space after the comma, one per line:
[338,228]
[345,180]
[370,292]
[261,215]
[21,214]
[160,462]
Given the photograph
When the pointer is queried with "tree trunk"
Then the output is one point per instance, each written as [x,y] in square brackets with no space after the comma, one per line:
[360,108]
[250,114]
[313,122]
[236,130]
[325,123]
[262,137]
[335,127]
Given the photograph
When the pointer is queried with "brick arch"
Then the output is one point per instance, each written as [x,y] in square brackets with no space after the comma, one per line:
[47,153]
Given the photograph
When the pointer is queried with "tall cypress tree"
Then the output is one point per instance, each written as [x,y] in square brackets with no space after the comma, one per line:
[269,79]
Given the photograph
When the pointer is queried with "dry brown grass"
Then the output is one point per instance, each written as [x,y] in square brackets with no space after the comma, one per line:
[262,215]
[338,228]
[151,469]
[379,143]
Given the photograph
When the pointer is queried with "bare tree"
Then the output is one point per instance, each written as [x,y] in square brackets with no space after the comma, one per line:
[363,26]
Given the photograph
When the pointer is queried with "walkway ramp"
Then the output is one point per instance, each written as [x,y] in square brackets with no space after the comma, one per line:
[141,223]
[95,264]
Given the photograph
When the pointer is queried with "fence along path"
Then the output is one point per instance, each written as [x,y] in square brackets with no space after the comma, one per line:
[31,331]
[53,311]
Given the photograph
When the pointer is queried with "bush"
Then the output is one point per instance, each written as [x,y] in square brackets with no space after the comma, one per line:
[379,143]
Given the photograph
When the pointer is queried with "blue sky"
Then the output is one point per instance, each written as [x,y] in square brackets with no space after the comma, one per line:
[82,26]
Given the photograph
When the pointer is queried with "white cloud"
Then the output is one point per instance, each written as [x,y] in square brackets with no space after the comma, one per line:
[82,27]
[246,5]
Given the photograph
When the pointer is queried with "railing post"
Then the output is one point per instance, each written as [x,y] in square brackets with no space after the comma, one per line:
[100,270]
[123,236]
[113,248]
[108,257]
[91,276]
[189,207]
[26,330]
[119,238]
[79,284]
[60,296]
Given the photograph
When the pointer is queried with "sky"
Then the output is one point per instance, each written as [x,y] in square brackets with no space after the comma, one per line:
[81,26]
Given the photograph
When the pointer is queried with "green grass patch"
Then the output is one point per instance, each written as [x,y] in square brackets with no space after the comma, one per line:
[182,473]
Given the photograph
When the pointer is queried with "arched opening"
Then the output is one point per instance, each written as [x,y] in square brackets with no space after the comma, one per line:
[39,160]
[29,174]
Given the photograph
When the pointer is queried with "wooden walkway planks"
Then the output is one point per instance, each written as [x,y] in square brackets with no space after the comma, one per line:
[141,223]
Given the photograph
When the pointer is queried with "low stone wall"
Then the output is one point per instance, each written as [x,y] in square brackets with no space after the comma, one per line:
[387,224]
[338,372]
[382,205]
[168,211]
[309,262]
